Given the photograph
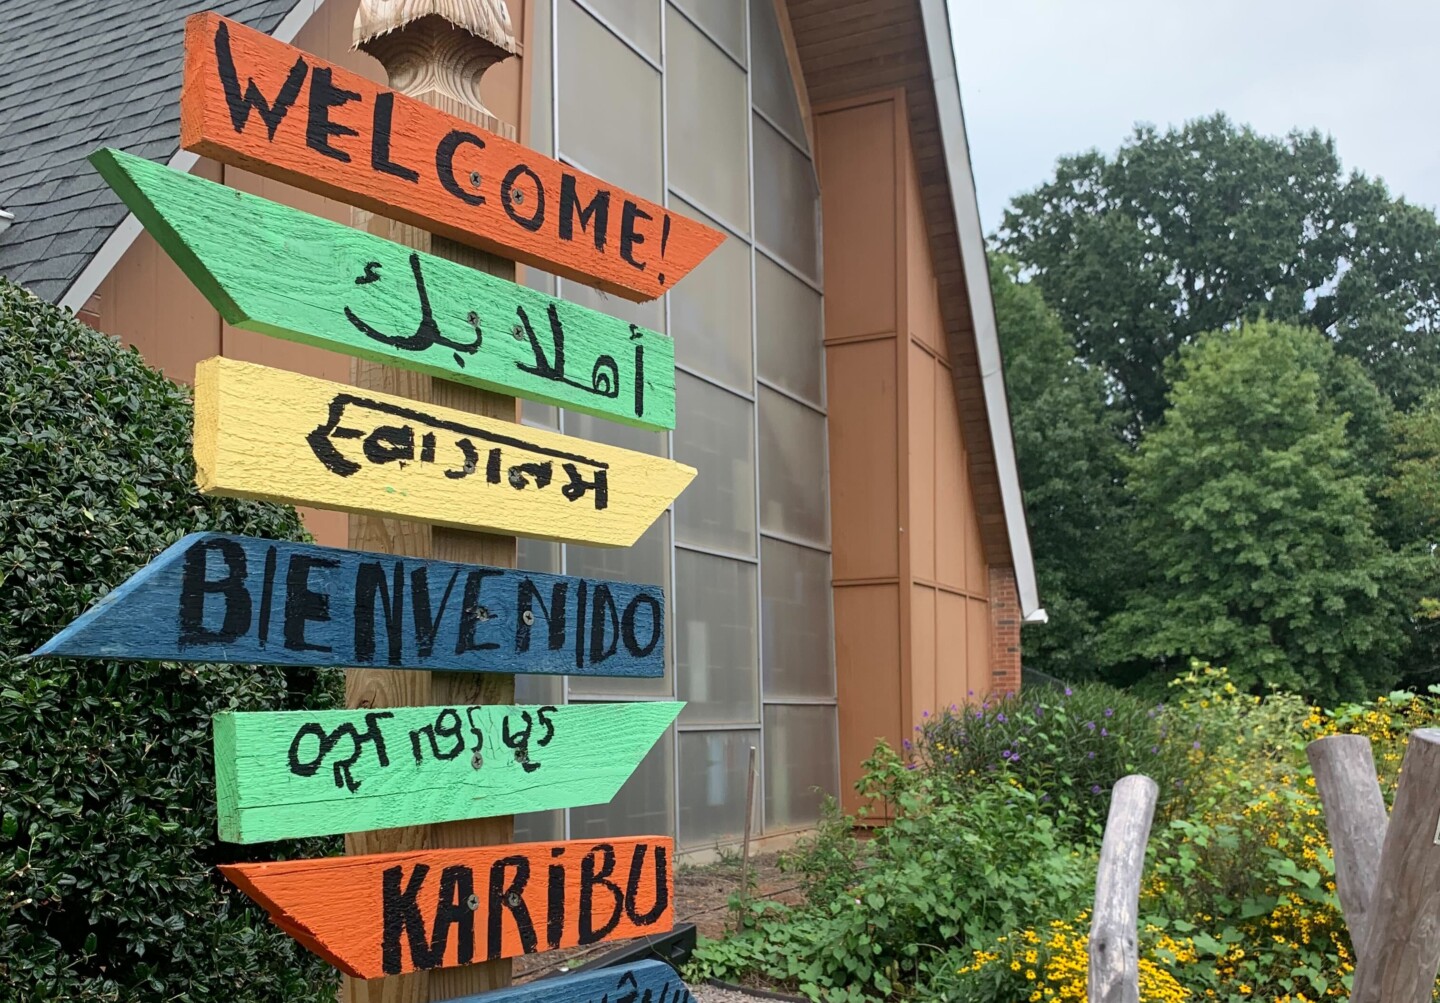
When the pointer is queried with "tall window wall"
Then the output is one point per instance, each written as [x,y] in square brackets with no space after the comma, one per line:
[692,103]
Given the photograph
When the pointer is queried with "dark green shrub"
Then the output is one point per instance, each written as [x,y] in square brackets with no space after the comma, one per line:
[1065,745]
[107,817]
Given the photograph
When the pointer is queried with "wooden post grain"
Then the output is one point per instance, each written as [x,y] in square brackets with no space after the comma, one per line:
[1114,927]
[1344,767]
[435,51]
[1401,955]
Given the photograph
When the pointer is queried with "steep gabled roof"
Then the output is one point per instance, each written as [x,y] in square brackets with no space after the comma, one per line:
[76,75]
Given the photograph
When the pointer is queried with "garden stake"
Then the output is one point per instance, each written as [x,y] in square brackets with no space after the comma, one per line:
[1402,952]
[1114,927]
[1344,767]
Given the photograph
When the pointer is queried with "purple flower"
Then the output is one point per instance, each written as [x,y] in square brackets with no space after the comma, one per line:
[1044,797]
[1039,711]
[1000,717]
[1195,746]
[1104,733]
[924,713]
[1090,754]
[1095,789]
[1154,749]
[1109,711]
[970,692]
[1069,692]
[906,744]
[911,766]
[1090,725]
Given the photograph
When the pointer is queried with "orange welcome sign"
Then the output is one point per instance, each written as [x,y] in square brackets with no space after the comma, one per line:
[256,103]
[391,913]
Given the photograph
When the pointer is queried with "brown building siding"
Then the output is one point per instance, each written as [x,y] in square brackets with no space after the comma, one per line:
[912,586]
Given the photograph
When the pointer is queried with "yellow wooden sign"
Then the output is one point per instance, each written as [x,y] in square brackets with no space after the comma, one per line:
[278,436]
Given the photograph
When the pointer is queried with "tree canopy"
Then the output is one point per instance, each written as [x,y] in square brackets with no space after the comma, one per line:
[1195,228]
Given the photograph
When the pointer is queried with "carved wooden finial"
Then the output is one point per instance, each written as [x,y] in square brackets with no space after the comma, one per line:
[443,46]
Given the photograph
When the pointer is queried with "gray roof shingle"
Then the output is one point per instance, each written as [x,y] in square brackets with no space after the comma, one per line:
[76,75]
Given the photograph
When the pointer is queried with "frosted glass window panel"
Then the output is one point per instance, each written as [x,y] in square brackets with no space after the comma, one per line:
[723,21]
[539,827]
[713,768]
[609,104]
[637,20]
[795,618]
[537,555]
[645,805]
[773,87]
[717,664]
[794,484]
[789,330]
[714,433]
[651,314]
[647,562]
[800,764]
[707,117]
[593,429]
[786,201]
[539,57]
[710,310]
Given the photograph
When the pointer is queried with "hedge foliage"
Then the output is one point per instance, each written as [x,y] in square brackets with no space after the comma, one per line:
[107,817]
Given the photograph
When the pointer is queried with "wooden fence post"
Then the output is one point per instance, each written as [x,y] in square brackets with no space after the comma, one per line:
[435,51]
[1401,955]
[1355,818]
[1114,927]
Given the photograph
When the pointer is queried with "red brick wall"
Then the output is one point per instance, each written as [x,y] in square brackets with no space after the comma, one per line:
[1004,631]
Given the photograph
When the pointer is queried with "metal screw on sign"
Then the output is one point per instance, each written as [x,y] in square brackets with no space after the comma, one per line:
[513,900]
[517,196]
[474,179]
[528,617]
[473,902]
[477,760]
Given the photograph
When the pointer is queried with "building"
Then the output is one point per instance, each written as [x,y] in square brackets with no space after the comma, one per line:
[854,551]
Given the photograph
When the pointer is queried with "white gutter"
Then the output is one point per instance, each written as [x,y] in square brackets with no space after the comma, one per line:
[108,256]
[6,218]
[982,307]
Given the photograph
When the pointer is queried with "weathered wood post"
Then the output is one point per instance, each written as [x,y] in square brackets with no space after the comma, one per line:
[1401,955]
[435,51]
[1355,819]
[1114,927]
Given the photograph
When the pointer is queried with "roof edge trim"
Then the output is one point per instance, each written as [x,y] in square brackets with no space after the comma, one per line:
[970,234]
[104,260]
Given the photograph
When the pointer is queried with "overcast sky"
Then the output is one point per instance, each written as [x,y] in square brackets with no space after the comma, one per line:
[1043,78]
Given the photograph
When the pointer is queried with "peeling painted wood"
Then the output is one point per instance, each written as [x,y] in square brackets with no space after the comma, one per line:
[269,268]
[292,774]
[278,436]
[211,597]
[256,103]
[391,913]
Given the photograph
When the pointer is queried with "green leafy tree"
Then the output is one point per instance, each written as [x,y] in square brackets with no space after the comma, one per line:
[1410,501]
[1192,229]
[1070,450]
[107,794]
[1253,511]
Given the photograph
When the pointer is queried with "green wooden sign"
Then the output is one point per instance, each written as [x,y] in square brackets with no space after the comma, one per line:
[311,773]
[282,272]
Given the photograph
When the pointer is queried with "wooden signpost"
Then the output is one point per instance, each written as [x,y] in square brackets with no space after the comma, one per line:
[216,598]
[643,981]
[278,436]
[391,913]
[438,779]
[303,773]
[260,104]
[276,270]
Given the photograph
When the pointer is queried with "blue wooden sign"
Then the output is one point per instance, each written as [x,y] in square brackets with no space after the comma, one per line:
[216,598]
[637,982]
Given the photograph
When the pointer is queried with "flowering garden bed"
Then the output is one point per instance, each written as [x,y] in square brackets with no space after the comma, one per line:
[978,888]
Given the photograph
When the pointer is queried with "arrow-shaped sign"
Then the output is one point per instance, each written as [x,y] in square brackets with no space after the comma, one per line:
[273,269]
[268,107]
[279,436]
[390,913]
[635,982]
[312,773]
[215,598]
